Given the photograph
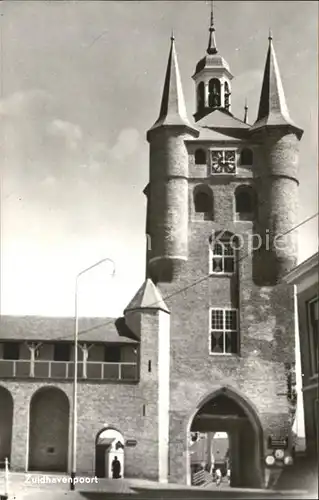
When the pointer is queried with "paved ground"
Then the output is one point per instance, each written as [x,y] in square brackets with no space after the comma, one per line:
[29,487]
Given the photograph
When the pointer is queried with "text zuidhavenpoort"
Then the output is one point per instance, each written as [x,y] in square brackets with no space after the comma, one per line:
[43,479]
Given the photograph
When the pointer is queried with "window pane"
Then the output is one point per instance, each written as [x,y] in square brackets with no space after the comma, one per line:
[228,265]
[217,265]
[230,320]
[314,308]
[228,248]
[314,332]
[217,342]
[217,319]
[218,249]
[231,342]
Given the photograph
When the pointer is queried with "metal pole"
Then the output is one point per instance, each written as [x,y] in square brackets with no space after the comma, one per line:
[75,375]
[6,477]
[75,386]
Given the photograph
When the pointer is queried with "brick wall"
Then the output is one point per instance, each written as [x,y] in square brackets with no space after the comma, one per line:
[266,331]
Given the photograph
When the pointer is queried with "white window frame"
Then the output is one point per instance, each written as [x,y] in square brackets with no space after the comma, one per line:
[212,255]
[223,150]
[311,334]
[224,330]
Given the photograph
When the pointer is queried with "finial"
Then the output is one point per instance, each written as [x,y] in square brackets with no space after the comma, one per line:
[172,36]
[212,15]
[246,111]
[212,49]
[270,35]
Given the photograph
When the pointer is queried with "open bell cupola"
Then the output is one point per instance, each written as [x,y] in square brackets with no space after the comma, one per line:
[212,79]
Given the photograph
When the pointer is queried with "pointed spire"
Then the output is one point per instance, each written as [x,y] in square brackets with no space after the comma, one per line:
[212,49]
[246,111]
[273,110]
[147,297]
[173,108]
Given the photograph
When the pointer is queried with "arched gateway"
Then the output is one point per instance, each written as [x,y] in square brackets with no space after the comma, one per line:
[109,444]
[6,416]
[49,430]
[225,411]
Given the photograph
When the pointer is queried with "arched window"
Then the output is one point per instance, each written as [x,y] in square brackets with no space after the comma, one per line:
[200,157]
[245,203]
[223,252]
[214,93]
[201,96]
[203,202]
[246,157]
[227,95]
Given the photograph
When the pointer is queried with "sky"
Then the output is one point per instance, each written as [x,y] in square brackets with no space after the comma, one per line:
[81,83]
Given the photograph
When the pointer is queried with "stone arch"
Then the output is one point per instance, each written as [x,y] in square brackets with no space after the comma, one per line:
[231,411]
[204,201]
[109,444]
[6,420]
[49,430]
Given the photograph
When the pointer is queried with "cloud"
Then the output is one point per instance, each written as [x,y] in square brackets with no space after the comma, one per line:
[55,168]
[27,103]
[126,144]
[71,133]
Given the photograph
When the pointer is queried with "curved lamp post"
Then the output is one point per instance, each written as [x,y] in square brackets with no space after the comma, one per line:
[75,379]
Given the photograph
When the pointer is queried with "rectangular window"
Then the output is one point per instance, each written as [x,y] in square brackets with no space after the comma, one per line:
[313,322]
[222,258]
[11,350]
[112,354]
[224,331]
[62,352]
[223,161]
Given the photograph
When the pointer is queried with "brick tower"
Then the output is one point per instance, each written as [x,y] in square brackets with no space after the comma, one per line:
[213,186]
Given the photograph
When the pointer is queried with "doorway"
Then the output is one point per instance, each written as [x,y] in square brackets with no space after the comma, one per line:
[109,446]
[232,441]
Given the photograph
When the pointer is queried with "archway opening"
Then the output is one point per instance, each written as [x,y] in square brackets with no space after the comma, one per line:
[109,454]
[49,430]
[6,417]
[229,441]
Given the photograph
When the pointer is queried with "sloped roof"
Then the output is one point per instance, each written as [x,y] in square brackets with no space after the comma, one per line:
[273,109]
[209,134]
[213,62]
[147,297]
[222,119]
[173,108]
[50,328]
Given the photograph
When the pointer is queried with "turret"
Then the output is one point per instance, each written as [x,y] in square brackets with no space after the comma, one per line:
[167,193]
[212,79]
[276,174]
[148,317]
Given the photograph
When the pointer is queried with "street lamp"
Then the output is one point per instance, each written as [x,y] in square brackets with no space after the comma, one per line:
[75,379]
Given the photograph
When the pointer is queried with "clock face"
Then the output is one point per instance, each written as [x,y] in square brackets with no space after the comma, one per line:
[223,161]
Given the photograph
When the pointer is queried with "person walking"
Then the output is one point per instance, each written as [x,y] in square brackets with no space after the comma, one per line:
[116,468]
[218,477]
